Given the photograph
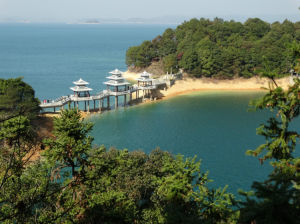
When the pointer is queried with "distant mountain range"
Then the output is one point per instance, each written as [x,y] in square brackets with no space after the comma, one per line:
[180,19]
[175,19]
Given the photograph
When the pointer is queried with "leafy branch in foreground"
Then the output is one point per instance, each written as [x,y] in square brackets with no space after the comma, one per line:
[280,140]
[276,200]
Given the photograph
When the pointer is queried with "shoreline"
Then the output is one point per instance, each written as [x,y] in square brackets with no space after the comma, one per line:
[187,85]
[193,85]
[186,92]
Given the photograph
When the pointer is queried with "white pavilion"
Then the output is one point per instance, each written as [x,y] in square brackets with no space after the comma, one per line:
[117,86]
[145,83]
[81,93]
[81,89]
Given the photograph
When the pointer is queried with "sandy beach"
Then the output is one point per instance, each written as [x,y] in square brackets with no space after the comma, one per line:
[131,76]
[192,85]
[188,85]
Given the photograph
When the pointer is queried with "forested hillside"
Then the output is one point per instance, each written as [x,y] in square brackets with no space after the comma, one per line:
[221,49]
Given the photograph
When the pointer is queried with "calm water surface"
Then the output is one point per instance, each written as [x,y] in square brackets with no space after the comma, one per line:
[214,126]
[50,56]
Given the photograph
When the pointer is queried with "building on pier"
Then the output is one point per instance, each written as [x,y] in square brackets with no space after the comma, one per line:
[81,89]
[117,86]
[81,93]
[146,83]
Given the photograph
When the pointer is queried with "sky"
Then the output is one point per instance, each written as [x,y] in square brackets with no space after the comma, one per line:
[78,10]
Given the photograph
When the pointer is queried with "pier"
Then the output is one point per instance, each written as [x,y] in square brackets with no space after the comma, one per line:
[116,86]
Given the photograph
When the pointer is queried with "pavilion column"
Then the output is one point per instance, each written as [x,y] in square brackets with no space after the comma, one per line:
[100,105]
[77,106]
[54,109]
[137,94]
[130,97]
[84,105]
[143,94]
[88,106]
[116,102]
[124,100]
[108,105]
[94,105]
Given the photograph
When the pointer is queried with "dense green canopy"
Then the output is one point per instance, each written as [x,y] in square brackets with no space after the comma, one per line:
[76,183]
[17,98]
[221,49]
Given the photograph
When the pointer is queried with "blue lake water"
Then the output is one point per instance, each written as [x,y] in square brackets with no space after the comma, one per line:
[50,57]
[215,126]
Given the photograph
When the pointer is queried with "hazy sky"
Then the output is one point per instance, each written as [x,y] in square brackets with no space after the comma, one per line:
[74,10]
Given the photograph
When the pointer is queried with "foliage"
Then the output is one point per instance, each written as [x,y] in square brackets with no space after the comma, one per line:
[17,98]
[273,201]
[277,200]
[24,185]
[170,63]
[133,187]
[67,155]
[69,148]
[281,142]
[221,49]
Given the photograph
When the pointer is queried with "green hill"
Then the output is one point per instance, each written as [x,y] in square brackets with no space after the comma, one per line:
[220,49]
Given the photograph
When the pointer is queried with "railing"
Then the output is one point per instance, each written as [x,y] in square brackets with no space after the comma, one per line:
[57,102]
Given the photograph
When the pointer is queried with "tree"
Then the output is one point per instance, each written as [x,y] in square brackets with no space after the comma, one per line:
[72,143]
[170,63]
[67,154]
[133,187]
[17,98]
[189,62]
[257,28]
[277,200]
[131,55]
[26,190]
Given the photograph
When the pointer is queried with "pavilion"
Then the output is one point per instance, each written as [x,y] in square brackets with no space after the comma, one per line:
[117,86]
[145,83]
[81,93]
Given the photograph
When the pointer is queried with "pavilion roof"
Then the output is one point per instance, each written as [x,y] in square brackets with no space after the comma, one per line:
[115,77]
[80,89]
[116,72]
[145,79]
[81,82]
[116,83]
[145,74]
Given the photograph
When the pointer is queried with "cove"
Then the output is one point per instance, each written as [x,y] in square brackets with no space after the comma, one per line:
[215,126]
